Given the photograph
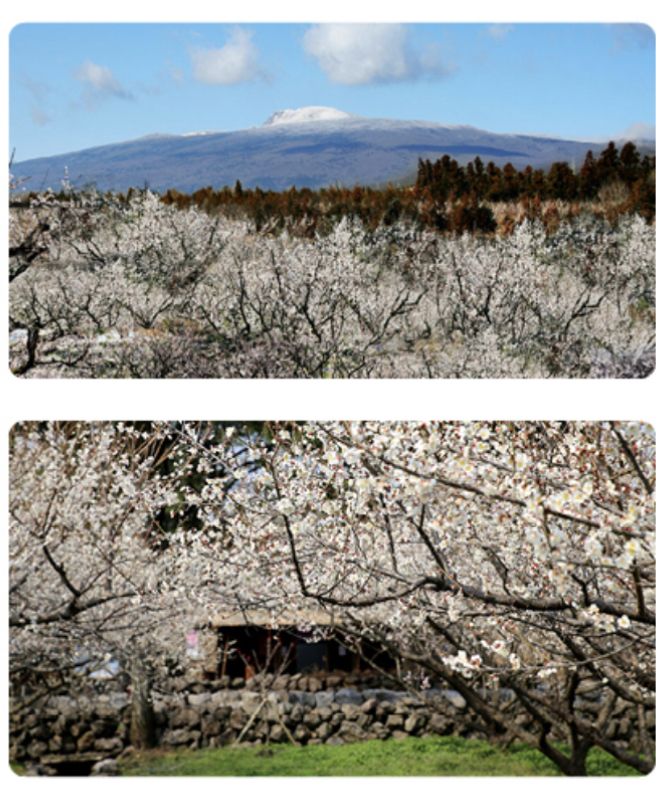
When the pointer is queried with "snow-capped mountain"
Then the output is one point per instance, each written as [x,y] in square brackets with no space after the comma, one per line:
[309,147]
[307,114]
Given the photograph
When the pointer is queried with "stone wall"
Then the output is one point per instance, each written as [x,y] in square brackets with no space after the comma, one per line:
[302,709]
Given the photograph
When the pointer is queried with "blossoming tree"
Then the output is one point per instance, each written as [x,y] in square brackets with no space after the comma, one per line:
[123,286]
[513,561]
[507,559]
[86,578]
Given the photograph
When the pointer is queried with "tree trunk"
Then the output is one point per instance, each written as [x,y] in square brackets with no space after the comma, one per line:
[142,723]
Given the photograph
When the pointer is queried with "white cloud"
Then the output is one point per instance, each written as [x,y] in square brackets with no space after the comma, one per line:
[499,31]
[355,54]
[640,131]
[100,83]
[237,61]
[636,131]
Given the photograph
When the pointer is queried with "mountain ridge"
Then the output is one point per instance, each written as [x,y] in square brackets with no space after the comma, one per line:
[308,147]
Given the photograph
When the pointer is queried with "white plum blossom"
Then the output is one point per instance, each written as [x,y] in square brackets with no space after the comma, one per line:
[134,287]
[414,543]
[285,506]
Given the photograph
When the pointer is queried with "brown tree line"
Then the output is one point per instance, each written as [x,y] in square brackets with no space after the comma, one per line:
[448,197]
[453,198]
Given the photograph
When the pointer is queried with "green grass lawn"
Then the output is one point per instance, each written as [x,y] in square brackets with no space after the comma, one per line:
[432,756]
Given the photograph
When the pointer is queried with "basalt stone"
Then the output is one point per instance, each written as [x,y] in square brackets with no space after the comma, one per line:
[324,698]
[85,742]
[237,719]
[221,713]
[351,711]
[55,744]
[324,730]
[278,711]
[225,738]
[108,767]
[104,727]
[392,697]
[379,730]
[315,684]
[281,682]
[113,703]
[17,753]
[440,725]
[178,737]
[635,742]
[351,732]
[111,745]
[199,699]
[458,702]
[278,696]
[179,685]
[414,723]
[187,717]
[40,732]
[297,713]
[40,770]
[250,701]
[226,698]
[304,698]
[277,734]
[349,696]
[325,713]
[263,729]
[65,705]
[37,749]
[211,727]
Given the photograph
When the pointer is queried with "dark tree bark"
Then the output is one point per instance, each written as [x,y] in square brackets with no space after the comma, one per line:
[142,724]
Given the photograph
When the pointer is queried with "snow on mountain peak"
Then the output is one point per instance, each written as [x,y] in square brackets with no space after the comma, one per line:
[307,114]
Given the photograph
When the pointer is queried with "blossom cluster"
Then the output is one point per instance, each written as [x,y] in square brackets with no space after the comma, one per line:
[135,287]
[484,526]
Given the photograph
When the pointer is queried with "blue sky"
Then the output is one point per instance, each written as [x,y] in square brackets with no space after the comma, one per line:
[74,86]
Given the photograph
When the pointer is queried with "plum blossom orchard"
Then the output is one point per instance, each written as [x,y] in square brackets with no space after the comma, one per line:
[514,561]
[86,582]
[104,286]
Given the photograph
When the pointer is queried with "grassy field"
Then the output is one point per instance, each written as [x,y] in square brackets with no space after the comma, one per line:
[433,756]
